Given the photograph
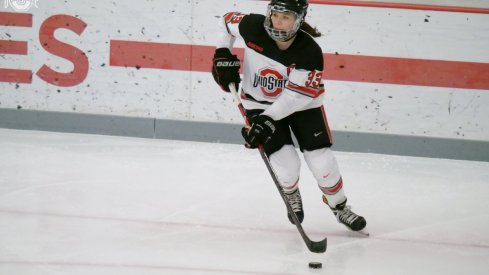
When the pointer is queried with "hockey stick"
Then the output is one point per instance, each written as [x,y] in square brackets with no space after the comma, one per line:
[316,247]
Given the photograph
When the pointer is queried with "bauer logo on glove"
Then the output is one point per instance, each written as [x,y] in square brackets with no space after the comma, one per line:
[261,131]
[225,68]
[228,64]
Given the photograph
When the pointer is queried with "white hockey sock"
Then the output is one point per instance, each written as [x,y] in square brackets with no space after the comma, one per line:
[324,167]
[286,165]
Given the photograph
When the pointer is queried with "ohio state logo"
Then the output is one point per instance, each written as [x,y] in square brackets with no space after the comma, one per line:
[270,81]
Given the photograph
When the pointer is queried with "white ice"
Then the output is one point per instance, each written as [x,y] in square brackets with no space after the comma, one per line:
[101,205]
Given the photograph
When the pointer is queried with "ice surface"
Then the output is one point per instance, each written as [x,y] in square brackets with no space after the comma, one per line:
[86,204]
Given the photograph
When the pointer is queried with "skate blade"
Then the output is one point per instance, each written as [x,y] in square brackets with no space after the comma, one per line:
[361,233]
[364,232]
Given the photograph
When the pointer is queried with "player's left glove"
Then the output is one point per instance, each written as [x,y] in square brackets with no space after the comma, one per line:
[225,68]
[260,132]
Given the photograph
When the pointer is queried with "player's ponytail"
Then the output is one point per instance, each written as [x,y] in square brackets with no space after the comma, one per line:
[312,31]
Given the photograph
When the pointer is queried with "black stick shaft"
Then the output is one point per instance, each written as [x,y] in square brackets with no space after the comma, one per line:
[316,247]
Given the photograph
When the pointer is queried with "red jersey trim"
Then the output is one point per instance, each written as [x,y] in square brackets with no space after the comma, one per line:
[311,92]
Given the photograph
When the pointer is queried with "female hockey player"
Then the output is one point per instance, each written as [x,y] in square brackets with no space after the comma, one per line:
[282,91]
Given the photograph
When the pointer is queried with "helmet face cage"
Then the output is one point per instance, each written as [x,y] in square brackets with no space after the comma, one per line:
[281,6]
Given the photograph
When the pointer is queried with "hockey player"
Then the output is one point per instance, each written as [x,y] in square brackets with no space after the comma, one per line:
[282,91]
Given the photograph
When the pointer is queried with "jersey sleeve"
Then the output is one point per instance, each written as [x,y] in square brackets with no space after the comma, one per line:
[305,82]
[306,77]
[229,29]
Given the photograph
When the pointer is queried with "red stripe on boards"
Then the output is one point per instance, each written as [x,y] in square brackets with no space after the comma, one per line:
[418,72]
[343,67]
[161,55]
[407,6]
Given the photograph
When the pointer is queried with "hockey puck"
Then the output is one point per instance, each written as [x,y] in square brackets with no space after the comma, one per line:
[315,265]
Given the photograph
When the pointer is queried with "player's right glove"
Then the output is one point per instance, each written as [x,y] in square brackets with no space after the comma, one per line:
[225,68]
[260,132]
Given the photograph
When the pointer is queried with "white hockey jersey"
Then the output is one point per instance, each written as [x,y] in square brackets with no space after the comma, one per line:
[280,81]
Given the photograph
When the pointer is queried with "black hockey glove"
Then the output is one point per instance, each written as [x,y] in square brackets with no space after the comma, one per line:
[260,132]
[225,68]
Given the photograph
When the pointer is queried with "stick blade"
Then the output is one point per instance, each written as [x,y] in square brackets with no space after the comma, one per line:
[318,247]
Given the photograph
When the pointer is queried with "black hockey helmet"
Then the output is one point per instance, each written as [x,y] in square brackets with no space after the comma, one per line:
[298,7]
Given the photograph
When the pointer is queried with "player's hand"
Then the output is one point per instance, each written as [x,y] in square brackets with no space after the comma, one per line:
[260,131]
[225,68]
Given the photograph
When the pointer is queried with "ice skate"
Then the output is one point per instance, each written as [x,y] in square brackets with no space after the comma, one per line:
[295,201]
[350,219]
